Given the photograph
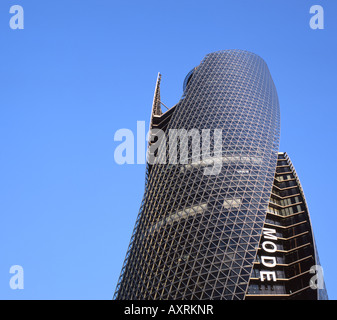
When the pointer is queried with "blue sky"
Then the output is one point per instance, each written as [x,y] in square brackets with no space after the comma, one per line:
[81,70]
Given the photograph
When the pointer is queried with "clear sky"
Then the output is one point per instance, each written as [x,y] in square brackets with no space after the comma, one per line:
[81,70]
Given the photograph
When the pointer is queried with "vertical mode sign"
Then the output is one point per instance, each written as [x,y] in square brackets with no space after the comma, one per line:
[268,246]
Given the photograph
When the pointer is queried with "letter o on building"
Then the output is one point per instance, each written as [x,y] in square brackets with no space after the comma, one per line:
[269,246]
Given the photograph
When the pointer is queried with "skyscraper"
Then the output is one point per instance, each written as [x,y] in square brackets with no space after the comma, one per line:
[229,222]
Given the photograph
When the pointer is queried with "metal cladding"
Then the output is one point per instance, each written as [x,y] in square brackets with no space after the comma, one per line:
[198,232]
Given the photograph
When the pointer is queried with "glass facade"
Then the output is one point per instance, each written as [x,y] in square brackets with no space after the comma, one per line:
[197,235]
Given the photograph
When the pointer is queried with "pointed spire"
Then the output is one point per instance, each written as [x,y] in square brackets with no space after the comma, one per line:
[156,107]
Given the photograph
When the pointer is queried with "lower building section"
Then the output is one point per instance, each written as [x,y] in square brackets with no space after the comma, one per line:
[286,265]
